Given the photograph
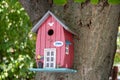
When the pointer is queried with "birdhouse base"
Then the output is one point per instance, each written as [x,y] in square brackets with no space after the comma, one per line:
[64,70]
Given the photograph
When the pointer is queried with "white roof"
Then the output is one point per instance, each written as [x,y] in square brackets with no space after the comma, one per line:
[35,28]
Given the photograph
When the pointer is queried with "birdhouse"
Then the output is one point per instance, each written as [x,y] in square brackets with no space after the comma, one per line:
[54,45]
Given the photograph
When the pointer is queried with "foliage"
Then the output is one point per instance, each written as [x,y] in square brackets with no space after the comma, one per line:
[79,1]
[16,42]
[117,58]
[114,1]
[118,40]
[94,1]
[62,2]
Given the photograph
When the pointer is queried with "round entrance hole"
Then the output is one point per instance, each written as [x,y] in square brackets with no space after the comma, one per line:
[50,32]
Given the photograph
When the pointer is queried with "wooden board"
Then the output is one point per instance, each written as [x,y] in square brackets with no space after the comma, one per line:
[64,70]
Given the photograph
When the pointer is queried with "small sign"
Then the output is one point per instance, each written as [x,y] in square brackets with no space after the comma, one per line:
[58,43]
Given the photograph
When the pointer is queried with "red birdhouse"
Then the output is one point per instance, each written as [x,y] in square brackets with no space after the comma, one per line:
[54,43]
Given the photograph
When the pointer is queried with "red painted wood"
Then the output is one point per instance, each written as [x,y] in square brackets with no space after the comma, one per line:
[70,56]
[62,53]
[42,39]
[57,37]
[52,38]
[38,46]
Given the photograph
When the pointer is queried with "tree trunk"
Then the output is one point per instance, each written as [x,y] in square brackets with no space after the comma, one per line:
[95,45]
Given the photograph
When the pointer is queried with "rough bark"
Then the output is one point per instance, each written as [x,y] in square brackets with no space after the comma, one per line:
[96,26]
[35,8]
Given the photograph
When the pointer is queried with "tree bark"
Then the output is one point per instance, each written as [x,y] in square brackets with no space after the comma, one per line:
[95,45]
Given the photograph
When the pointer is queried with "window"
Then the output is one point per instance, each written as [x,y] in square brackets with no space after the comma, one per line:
[52,53]
[50,58]
[51,65]
[48,53]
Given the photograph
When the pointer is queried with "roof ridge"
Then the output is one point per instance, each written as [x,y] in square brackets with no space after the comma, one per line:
[39,23]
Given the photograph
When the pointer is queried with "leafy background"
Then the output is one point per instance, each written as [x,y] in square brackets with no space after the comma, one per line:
[17,43]
[117,56]
[62,2]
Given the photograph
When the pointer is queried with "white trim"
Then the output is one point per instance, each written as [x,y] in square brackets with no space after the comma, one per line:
[49,57]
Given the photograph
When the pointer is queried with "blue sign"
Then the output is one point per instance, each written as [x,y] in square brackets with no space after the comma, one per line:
[58,43]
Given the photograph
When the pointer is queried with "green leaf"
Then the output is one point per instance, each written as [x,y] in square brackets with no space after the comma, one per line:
[114,1]
[14,21]
[94,1]
[60,2]
[79,1]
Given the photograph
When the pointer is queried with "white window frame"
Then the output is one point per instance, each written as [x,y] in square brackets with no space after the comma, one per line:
[46,56]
